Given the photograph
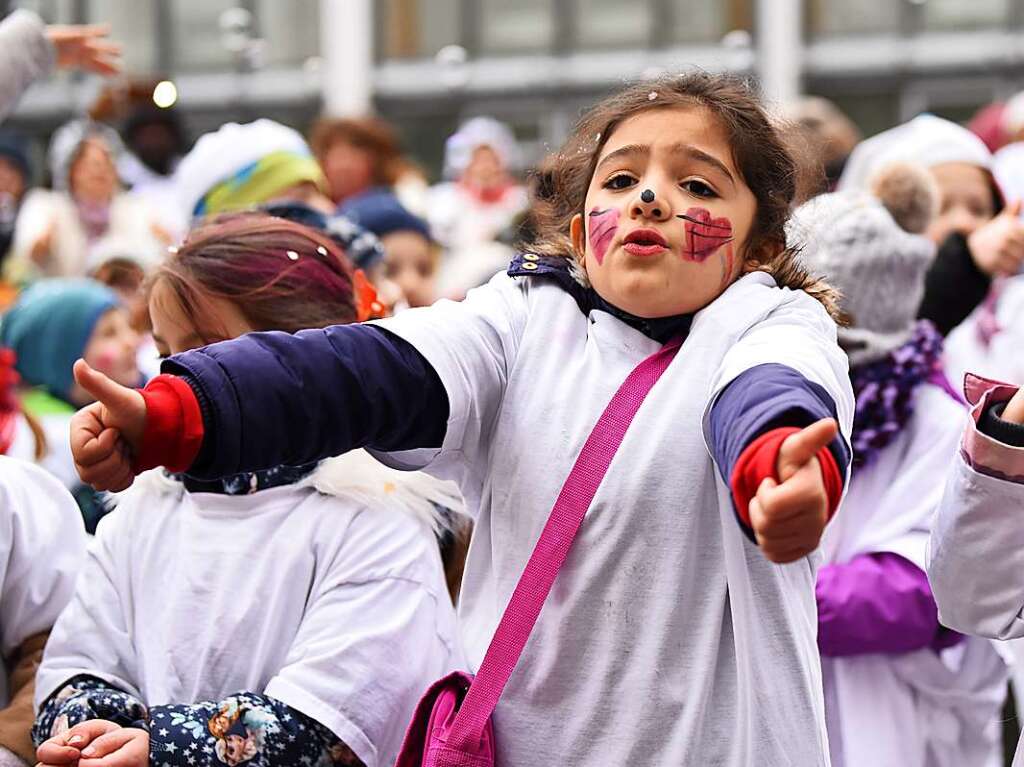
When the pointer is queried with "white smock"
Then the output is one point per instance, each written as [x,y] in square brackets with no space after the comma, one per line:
[336,606]
[921,708]
[42,550]
[668,637]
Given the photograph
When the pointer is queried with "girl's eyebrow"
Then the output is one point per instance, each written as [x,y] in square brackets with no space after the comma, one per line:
[690,151]
[630,150]
[699,155]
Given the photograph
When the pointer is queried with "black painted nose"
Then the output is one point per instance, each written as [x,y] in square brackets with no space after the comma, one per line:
[647,196]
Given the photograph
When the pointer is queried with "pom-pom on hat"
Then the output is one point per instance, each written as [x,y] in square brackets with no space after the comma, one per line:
[868,244]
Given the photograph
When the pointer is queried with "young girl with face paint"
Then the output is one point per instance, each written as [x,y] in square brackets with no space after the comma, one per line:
[681,629]
[283,615]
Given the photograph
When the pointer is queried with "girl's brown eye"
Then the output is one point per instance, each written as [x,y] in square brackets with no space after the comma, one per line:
[699,188]
[619,181]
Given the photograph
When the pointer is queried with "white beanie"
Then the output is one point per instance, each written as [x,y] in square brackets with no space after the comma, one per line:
[219,155]
[67,141]
[475,133]
[926,140]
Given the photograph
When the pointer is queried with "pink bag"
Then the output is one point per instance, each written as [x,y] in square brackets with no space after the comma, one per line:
[451,726]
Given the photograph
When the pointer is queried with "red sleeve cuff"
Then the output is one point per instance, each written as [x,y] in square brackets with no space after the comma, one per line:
[758,461]
[174,426]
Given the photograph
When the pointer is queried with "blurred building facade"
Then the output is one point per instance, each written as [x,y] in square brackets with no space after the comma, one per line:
[428,64]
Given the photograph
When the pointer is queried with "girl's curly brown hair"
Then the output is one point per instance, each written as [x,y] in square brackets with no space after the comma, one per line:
[768,164]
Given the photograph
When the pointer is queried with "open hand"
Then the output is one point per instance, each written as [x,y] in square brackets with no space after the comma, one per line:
[85,47]
[998,247]
[106,434]
[789,517]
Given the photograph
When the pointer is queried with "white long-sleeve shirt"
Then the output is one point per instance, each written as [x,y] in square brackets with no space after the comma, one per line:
[25,56]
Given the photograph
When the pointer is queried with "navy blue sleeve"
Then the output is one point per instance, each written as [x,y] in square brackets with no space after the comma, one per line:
[245,728]
[83,698]
[272,399]
[763,398]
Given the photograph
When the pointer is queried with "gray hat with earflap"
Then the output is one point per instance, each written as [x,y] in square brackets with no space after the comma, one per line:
[869,246]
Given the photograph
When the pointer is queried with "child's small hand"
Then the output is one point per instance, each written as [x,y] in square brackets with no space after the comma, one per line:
[998,247]
[1014,411]
[126,747]
[789,517]
[66,747]
[105,434]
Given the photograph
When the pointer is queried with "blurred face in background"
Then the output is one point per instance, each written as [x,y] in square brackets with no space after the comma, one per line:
[93,178]
[485,169]
[967,200]
[112,348]
[157,145]
[410,261]
[349,169]
[12,183]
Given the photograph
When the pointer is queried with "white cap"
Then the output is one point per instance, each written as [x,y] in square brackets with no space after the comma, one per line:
[219,155]
[478,132]
[926,140]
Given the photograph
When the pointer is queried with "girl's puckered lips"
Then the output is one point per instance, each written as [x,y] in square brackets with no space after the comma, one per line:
[644,242]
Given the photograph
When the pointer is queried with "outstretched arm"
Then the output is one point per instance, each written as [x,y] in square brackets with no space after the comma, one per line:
[29,50]
[977,543]
[262,400]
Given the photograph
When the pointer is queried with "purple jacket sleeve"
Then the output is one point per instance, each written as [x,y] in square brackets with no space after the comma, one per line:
[878,603]
[763,398]
[273,399]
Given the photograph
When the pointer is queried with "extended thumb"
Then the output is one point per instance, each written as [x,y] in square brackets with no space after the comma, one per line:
[1013,209]
[805,444]
[109,392]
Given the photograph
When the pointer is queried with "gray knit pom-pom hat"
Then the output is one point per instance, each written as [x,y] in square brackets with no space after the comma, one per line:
[869,246]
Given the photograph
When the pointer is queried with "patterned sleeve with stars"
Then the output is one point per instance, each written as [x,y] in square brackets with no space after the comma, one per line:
[242,729]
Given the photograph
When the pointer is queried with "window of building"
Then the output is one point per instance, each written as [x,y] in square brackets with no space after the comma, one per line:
[524,26]
[197,40]
[133,25]
[841,17]
[693,21]
[416,28]
[611,24]
[291,31]
[958,15]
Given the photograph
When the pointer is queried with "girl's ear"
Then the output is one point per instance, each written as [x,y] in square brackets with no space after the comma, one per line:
[578,236]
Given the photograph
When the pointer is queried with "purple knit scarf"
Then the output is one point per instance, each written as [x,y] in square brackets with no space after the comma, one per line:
[884,391]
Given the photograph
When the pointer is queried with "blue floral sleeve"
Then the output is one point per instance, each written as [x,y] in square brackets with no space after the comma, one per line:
[243,729]
[83,698]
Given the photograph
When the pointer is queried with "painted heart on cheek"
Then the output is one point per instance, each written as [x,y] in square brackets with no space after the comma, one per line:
[704,233]
[603,224]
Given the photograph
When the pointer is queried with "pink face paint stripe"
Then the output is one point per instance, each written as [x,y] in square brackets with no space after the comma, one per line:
[603,224]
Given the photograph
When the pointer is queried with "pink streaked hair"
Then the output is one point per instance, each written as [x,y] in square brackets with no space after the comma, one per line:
[281,275]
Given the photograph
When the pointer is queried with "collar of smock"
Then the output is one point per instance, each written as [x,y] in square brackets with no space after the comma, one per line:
[557,269]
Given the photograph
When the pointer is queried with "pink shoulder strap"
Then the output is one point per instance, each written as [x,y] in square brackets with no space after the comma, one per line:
[553,546]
